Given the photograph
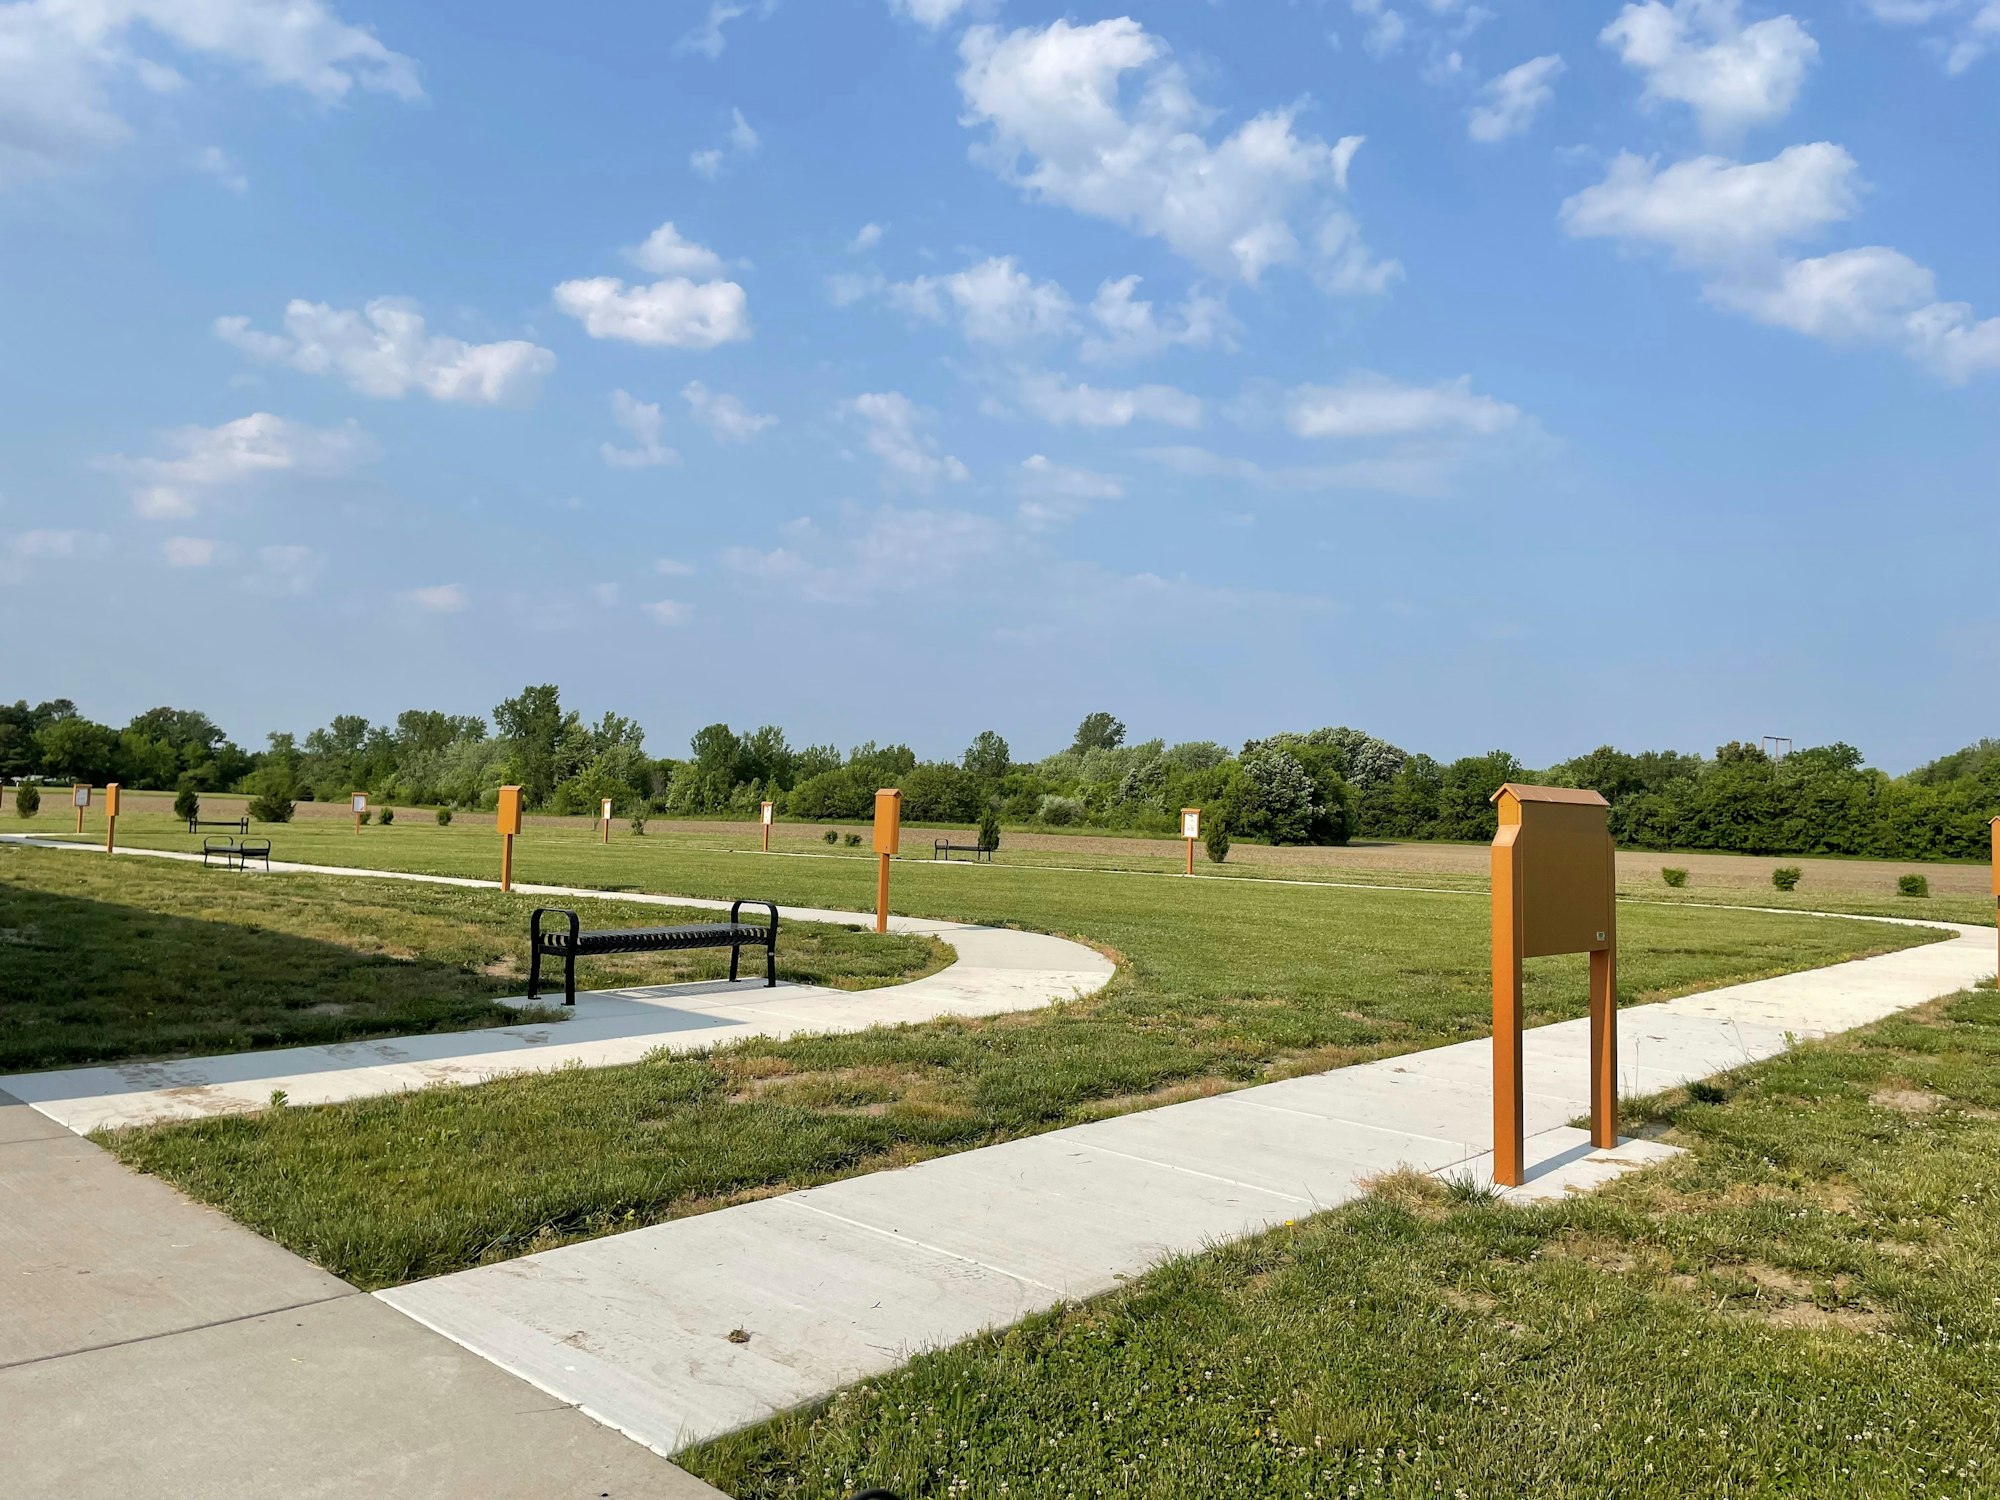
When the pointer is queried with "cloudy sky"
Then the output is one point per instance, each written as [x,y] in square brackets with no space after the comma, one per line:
[1528,373]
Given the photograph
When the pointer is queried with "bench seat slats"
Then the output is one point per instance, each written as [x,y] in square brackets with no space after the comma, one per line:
[569,942]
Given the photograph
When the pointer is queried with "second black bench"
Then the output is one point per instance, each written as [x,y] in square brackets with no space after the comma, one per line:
[241,825]
[570,941]
[235,854]
[944,849]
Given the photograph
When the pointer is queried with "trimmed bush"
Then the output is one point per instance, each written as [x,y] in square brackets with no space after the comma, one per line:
[1674,877]
[832,835]
[27,800]
[989,830]
[1060,812]
[1913,885]
[187,802]
[444,817]
[1216,840]
[386,816]
[272,807]
[1785,877]
[639,824]
[854,841]
[366,817]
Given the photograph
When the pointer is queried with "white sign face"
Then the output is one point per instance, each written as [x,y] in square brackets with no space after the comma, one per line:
[81,796]
[606,813]
[1191,825]
[768,810]
[360,803]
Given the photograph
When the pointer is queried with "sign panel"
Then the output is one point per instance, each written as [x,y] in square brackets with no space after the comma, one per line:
[111,800]
[1190,822]
[80,796]
[507,814]
[604,810]
[1564,868]
[769,809]
[888,820]
[360,802]
[1996,856]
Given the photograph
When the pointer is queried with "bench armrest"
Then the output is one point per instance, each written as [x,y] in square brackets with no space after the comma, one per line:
[535,925]
[736,913]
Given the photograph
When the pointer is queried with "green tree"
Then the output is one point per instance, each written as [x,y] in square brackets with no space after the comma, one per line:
[987,757]
[74,749]
[532,724]
[1099,731]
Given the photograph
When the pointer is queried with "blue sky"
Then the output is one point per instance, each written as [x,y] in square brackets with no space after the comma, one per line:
[1482,374]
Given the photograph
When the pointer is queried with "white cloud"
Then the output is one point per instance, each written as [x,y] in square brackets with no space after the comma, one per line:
[1372,406]
[1424,475]
[667,252]
[673,312]
[670,567]
[741,141]
[1063,403]
[1062,129]
[46,543]
[1710,209]
[724,416]
[605,594]
[996,302]
[707,38]
[61,63]
[234,454]
[1702,54]
[644,421]
[872,554]
[867,237]
[1129,329]
[385,350]
[669,611]
[894,429]
[1731,222]
[218,164]
[1054,494]
[1507,105]
[934,15]
[438,598]
[287,568]
[188,551]
[1965,30]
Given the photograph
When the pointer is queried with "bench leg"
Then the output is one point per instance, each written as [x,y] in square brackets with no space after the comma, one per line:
[569,977]
[770,966]
[735,954]
[534,971]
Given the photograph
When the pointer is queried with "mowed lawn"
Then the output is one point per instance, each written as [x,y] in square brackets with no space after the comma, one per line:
[106,959]
[1805,1305]
[1221,983]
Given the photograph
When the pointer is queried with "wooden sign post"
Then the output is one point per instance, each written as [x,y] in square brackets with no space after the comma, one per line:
[80,796]
[1554,888]
[111,817]
[359,802]
[1996,873]
[767,812]
[507,818]
[1190,830]
[604,812]
[888,840]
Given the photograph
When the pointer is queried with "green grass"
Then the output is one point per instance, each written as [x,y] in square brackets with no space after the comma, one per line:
[1804,1306]
[110,959]
[1221,983]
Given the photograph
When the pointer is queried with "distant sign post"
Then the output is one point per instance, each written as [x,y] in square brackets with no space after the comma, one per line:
[111,817]
[888,840]
[80,797]
[507,818]
[766,814]
[1554,888]
[1996,867]
[1190,830]
[359,802]
[604,813]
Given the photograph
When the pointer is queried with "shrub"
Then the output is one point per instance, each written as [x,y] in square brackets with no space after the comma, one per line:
[1913,885]
[989,830]
[27,800]
[854,841]
[639,823]
[1216,840]
[1785,877]
[272,807]
[386,816]
[366,817]
[187,802]
[1674,877]
[832,835]
[1060,812]
[444,817]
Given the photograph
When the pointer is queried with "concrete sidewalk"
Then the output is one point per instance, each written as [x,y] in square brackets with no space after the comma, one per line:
[152,1348]
[840,1282]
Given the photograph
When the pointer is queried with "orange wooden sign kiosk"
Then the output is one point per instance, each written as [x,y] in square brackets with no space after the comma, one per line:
[888,841]
[79,796]
[766,812]
[507,818]
[1554,885]
[1190,830]
[111,817]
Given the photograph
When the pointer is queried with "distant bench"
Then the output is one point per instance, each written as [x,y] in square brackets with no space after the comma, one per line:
[944,849]
[570,943]
[241,825]
[235,854]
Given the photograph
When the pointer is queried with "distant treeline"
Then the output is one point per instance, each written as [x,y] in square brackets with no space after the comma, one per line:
[1325,786]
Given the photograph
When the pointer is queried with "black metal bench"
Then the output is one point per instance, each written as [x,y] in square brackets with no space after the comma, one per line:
[241,825]
[235,854]
[944,849]
[568,943]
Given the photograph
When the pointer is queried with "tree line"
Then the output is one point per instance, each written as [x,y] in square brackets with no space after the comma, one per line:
[1323,786]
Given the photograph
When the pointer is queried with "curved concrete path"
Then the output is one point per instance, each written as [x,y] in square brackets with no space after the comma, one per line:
[996,970]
